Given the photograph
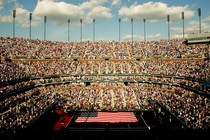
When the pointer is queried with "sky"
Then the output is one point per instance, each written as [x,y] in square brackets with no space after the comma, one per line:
[106,14]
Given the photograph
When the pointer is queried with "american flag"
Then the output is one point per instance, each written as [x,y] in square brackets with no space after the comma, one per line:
[111,117]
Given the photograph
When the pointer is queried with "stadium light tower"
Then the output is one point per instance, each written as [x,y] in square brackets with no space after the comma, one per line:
[94,29]
[68,30]
[45,21]
[144,30]
[199,14]
[168,19]
[183,22]
[80,29]
[132,29]
[14,15]
[119,29]
[30,18]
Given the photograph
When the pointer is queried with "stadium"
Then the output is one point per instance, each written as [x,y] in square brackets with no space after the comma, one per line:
[105,89]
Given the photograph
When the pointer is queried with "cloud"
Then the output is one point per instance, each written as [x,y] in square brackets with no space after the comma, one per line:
[5,2]
[22,18]
[22,15]
[10,1]
[155,11]
[104,12]
[5,18]
[60,12]
[92,3]
[116,2]
[1,4]
[178,36]
[206,19]
[139,37]
[191,27]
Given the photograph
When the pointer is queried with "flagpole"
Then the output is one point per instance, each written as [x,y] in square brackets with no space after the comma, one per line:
[30,18]
[68,30]
[199,14]
[45,20]
[14,15]
[93,29]
[119,29]
[132,29]
[168,19]
[183,22]
[144,30]
[80,29]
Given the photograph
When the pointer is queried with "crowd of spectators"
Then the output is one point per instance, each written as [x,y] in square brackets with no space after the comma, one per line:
[12,87]
[34,48]
[12,71]
[192,108]
[24,107]
[21,115]
[197,69]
